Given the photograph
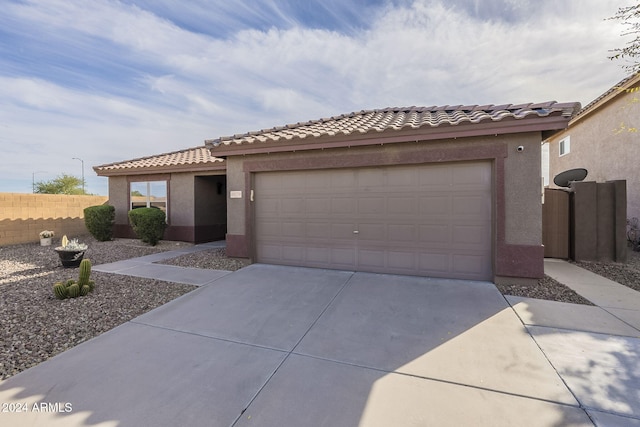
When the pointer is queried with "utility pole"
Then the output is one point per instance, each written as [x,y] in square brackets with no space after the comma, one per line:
[82,161]
[33,180]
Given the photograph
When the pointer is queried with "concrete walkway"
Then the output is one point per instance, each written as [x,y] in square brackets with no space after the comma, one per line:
[595,349]
[146,266]
[276,346]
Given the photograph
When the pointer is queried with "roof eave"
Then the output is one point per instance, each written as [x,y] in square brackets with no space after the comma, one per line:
[553,122]
[201,167]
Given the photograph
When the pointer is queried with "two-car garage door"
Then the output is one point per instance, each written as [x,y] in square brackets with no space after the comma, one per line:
[427,220]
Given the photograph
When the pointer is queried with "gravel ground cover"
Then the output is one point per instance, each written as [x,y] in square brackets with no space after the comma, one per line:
[545,288]
[213,259]
[37,326]
[627,273]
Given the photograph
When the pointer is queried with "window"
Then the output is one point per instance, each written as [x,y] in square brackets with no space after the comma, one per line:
[565,146]
[149,194]
[545,164]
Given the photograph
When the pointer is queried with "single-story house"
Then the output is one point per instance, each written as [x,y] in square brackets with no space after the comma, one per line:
[452,191]
[189,185]
[604,138]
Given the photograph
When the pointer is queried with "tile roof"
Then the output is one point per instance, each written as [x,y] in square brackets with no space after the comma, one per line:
[187,159]
[377,121]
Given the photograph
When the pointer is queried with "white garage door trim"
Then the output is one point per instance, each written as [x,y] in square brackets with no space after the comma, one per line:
[429,220]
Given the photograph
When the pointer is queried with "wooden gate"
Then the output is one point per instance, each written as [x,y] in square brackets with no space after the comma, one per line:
[555,223]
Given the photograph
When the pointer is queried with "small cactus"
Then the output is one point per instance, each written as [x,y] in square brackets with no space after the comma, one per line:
[85,272]
[60,290]
[64,241]
[73,290]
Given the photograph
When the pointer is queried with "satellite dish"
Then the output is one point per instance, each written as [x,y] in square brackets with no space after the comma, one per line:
[564,179]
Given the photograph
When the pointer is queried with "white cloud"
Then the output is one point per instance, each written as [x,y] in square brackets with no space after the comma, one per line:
[118,81]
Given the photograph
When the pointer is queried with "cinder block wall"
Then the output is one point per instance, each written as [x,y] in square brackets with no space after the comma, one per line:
[24,216]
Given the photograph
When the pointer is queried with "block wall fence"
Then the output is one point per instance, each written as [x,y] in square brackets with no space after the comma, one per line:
[24,216]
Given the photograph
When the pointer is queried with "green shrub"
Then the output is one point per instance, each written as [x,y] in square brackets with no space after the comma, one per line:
[148,224]
[99,221]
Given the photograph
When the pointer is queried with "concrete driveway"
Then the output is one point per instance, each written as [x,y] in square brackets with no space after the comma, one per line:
[286,346]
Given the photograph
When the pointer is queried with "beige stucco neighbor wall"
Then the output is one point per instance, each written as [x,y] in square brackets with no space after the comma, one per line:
[602,143]
[24,216]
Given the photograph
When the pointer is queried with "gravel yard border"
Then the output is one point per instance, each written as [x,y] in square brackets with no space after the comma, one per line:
[37,326]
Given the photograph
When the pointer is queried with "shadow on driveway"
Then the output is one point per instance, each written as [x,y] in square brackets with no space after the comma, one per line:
[287,346]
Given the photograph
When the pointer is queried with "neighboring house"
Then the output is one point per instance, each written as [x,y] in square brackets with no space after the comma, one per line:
[448,191]
[189,185]
[604,138]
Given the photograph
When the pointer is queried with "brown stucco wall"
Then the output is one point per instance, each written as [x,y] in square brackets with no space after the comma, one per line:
[182,225]
[523,191]
[602,143]
[119,198]
[517,199]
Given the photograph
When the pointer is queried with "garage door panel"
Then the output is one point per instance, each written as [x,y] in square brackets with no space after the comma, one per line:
[318,255]
[401,261]
[292,253]
[402,206]
[435,264]
[291,228]
[435,176]
[435,233]
[270,206]
[292,206]
[269,253]
[467,204]
[342,231]
[375,232]
[475,174]
[435,205]
[343,257]
[471,265]
[318,206]
[270,229]
[472,235]
[368,205]
[403,233]
[343,205]
[316,230]
[432,220]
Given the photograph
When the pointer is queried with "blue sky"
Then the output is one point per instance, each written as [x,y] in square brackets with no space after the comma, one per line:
[109,80]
